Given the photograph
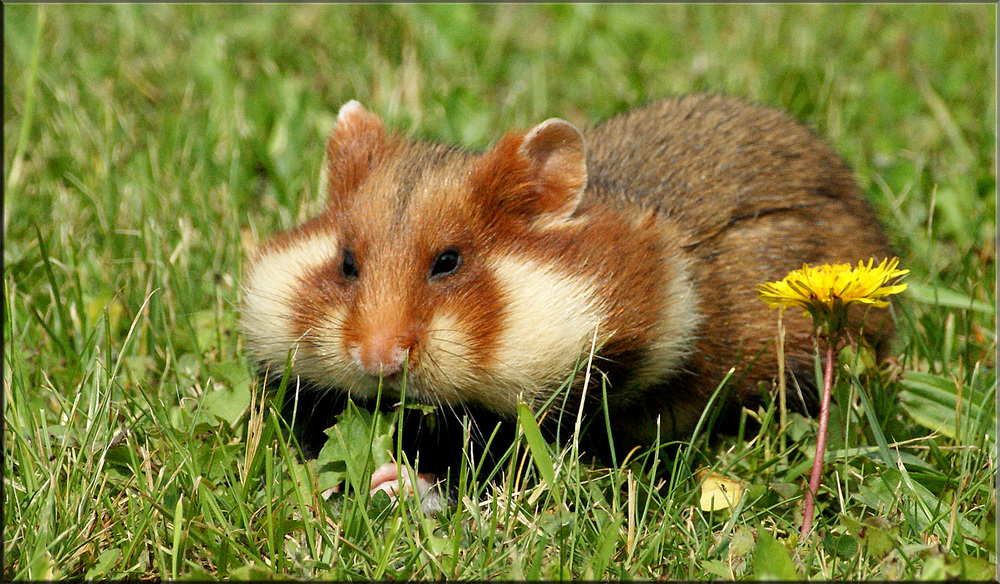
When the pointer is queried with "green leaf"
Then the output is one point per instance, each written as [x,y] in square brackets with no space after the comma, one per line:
[978,569]
[741,542]
[539,449]
[716,568]
[879,542]
[360,441]
[105,562]
[771,560]
[227,404]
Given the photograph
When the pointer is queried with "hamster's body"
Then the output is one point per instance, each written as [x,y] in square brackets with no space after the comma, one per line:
[485,278]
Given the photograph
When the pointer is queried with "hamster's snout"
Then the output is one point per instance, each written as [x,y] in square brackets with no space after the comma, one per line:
[382,352]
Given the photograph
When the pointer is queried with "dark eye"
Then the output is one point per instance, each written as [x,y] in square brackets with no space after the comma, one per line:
[446,262]
[349,269]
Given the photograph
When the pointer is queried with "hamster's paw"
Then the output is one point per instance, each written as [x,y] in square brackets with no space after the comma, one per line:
[386,478]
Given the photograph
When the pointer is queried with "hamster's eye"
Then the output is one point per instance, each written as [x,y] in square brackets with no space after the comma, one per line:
[446,262]
[349,269]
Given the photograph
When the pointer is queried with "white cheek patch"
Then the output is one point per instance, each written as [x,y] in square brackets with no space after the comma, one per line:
[549,318]
[323,361]
[677,328]
[445,371]
[267,314]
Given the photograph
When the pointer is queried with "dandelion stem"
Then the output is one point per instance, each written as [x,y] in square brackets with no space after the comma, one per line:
[824,417]
[782,384]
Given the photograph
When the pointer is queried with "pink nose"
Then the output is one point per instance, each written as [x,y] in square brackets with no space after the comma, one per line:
[382,352]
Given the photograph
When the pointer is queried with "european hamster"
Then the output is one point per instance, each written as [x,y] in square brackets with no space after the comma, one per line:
[484,278]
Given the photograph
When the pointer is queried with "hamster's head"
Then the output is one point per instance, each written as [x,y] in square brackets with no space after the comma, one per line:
[455,273]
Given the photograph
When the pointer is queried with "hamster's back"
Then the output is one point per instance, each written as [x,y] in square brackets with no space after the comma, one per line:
[754,195]
[710,161]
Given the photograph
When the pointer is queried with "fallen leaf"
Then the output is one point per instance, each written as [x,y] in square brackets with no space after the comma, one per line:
[718,492]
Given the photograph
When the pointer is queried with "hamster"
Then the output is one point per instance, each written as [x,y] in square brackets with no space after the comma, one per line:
[479,280]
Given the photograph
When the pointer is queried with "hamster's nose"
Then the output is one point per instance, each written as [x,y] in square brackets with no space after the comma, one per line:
[382,352]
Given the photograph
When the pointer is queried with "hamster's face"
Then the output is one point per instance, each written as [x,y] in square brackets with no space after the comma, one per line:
[408,279]
[404,291]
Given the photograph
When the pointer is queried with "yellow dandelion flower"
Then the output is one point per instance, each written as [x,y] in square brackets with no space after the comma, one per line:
[827,288]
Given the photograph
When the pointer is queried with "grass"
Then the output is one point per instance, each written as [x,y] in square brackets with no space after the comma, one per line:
[144,146]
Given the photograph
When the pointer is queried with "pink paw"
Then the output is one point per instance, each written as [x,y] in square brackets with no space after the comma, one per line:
[386,478]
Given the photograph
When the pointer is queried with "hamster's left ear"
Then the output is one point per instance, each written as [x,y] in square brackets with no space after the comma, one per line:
[540,174]
[355,147]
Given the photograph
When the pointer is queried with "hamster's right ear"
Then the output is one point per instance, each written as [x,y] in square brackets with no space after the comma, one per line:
[538,176]
[355,147]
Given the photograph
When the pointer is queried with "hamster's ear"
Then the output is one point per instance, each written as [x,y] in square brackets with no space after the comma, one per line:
[556,151]
[540,174]
[355,147]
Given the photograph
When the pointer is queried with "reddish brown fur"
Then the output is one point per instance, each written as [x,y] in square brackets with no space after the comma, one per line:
[503,185]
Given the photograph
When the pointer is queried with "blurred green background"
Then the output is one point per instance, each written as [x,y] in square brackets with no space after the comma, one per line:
[190,99]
